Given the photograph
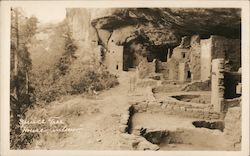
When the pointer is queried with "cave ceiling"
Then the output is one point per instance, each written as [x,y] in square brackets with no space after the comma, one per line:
[168,25]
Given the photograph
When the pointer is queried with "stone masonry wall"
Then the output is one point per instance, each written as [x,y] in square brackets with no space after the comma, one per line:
[173,107]
[205,60]
[130,141]
[114,57]
[180,108]
[169,69]
[183,72]
[217,94]
[195,52]
[146,69]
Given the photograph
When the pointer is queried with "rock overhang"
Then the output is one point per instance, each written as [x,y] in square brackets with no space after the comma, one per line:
[166,26]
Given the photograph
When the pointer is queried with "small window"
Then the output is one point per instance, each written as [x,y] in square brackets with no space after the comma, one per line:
[188,74]
[117,67]
[183,55]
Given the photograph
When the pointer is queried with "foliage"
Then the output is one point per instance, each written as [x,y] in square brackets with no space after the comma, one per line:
[22,97]
[91,80]
[80,79]
[66,74]
[69,51]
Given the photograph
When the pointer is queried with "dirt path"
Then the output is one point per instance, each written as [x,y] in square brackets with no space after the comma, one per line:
[99,117]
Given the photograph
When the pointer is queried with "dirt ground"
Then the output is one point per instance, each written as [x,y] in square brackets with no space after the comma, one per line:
[99,116]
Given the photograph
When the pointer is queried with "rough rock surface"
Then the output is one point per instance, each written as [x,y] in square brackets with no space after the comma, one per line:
[224,22]
[155,137]
[133,142]
[233,127]
[160,26]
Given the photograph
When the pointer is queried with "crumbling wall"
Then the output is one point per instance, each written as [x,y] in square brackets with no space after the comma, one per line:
[174,107]
[217,95]
[169,69]
[125,122]
[180,53]
[195,63]
[114,57]
[180,66]
[200,53]
[184,72]
[184,61]
[206,59]
[130,141]
[146,69]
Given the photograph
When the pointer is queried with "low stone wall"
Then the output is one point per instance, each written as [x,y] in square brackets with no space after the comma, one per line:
[147,83]
[229,103]
[198,86]
[179,108]
[173,106]
[125,120]
[130,141]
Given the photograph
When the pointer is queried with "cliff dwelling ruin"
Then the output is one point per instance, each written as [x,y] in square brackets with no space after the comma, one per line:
[184,75]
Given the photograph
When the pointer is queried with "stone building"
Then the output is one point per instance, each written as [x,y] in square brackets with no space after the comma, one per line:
[190,61]
[215,59]
[125,37]
[114,57]
[129,43]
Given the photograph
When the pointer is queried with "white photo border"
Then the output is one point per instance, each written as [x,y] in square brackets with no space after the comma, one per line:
[5,70]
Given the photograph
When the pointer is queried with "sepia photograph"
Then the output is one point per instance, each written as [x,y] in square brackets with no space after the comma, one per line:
[125,78]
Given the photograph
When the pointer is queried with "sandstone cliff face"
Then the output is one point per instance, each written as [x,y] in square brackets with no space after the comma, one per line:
[85,35]
[80,19]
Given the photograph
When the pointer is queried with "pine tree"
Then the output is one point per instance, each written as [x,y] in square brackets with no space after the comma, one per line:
[22,31]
